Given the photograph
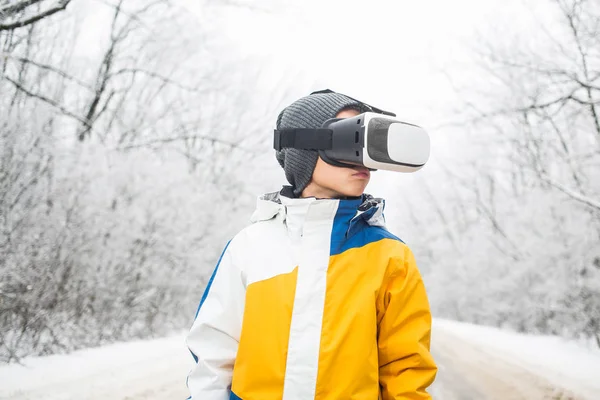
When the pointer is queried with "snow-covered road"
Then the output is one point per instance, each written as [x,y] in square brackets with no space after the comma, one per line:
[478,362]
[475,363]
[468,371]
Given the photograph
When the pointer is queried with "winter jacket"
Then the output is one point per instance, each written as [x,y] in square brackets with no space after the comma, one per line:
[314,300]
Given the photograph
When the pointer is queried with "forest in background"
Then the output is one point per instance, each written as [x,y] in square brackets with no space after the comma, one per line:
[120,149]
[131,151]
[511,230]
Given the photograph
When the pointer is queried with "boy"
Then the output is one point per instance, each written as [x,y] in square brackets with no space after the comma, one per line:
[315,299]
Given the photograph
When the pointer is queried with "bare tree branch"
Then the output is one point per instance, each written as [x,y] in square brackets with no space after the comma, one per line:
[549,72]
[560,100]
[572,193]
[62,5]
[151,74]
[565,149]
[48,68]
[105,72]
[103,76]
[49,101]
[570,15]
[440,212]
[189,137]
[9,10]
[135,15]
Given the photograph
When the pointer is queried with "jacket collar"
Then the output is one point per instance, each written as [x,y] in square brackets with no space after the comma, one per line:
[366,208]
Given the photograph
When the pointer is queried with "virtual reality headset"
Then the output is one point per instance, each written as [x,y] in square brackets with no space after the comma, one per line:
[375,139]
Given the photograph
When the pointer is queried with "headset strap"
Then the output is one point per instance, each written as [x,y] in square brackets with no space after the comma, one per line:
[303,138]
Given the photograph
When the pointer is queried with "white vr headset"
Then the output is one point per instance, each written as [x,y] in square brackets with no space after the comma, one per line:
[376,140]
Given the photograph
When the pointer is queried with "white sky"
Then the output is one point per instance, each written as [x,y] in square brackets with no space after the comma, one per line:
[389,53]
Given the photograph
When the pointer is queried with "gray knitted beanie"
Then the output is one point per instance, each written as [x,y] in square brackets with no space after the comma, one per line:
[309,112]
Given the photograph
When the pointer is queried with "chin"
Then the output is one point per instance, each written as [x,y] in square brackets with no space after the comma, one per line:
[353,191]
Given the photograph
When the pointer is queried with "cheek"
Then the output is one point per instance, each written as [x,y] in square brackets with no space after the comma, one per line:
[327,174]
[327,178]
[340,176]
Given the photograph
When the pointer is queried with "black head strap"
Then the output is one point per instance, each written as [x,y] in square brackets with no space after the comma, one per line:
[303,138]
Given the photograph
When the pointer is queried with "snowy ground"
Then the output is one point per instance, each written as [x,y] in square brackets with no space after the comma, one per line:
[478,362]
[475,363]
[153,369]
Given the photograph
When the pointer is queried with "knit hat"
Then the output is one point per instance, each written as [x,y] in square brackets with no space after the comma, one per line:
[309,112]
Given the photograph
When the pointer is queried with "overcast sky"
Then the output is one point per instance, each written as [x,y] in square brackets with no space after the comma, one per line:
[386,52]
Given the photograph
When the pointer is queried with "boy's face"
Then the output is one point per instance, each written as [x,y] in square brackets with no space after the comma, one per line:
[330,182]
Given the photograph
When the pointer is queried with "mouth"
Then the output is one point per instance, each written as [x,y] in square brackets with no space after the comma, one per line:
[363,173]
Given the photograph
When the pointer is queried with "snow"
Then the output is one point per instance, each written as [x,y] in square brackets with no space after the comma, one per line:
[474,361]
[133,370]
[569,365]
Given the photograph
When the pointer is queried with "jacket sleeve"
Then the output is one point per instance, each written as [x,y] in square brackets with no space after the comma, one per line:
[406,367]
[214,336]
